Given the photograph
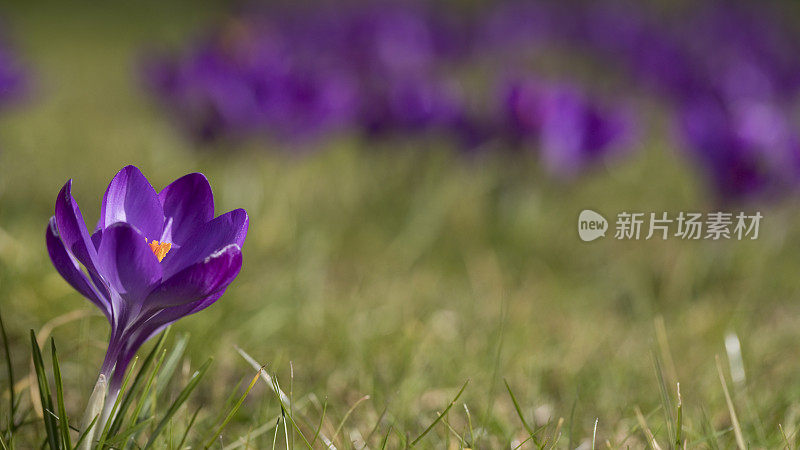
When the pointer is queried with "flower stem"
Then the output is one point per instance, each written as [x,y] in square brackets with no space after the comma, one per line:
[111,399]
[93,410]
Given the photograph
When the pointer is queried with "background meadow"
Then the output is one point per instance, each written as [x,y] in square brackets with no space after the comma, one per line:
[398,268]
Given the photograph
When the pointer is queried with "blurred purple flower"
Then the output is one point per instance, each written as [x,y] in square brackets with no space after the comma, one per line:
[730,71]
[571,130]
[297,73]
[13,79]
[751,45]
[644,45]
[205,93]
[747,148]
[152,259]
[739,123]
[412,105]
[238,83]
[393,39]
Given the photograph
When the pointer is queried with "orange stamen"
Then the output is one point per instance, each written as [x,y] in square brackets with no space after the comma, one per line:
[160,249]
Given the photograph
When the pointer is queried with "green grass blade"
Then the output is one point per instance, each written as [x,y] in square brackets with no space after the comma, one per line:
[171,363]
[785,438]
[146,391]
[184,394]
[433,424]
[44,395]
[517,408]
[188,428]
[291,396]
[666,401]
[283,399]
[162,379]
[86,432]
[233,410]
[63,423]
[120,439]
[321,421]
[570,443]
[469,424]
[709,434]
[286,432]
[737,429]
[461,442]
[10,368]
[275,435]
[679,421]
[386,438]
[228,404]
[276,388]
[519,446]
[347,416]
[130,394]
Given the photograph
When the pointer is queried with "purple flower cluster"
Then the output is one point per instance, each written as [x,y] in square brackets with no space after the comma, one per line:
[737,120]
[300,73]
[386,69]
[728,71]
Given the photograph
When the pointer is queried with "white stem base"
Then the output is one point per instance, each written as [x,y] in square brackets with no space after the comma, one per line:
[93,409]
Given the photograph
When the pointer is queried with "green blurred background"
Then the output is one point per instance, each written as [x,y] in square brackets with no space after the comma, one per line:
[400,274]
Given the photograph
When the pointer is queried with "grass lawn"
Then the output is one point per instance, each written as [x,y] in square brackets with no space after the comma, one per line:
[382,277]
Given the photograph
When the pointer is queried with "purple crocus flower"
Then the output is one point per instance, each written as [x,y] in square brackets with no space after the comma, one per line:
[571,130]
[152,259]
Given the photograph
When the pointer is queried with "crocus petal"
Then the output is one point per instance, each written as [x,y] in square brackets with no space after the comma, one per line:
[68,267]
[199,280]
[188,204]
[227,229]
[130,198]
[149,326]
[97,238]
[128,264]
[72,228]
